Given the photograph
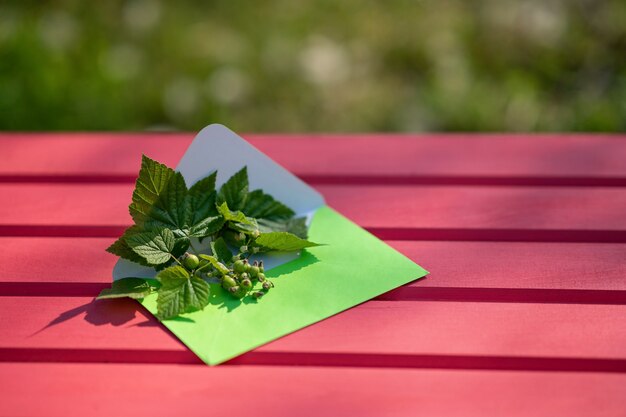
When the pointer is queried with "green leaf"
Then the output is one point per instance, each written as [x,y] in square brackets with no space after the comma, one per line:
[235,216]
[207,226]
[180,292]
[221,251]
[175,203]
[235,190]
[295,226]
[120,247]
[204,186]
[152,180]
[261,205]
[215,262]
[156,247]
[202,199]
[126,287]
[283,241]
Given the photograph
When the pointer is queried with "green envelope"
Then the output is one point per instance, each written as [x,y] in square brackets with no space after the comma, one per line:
[352,267]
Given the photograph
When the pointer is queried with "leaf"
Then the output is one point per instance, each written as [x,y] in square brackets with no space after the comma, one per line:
[261,205]
[126,287]
[174,202]
[235,216]
[283,241]
[221,251]
[152,180]
[160,199]
[207,226]
[204,186]
[202,199]
[180,292]
[235,190]
[155,247]
[295,226]
[120,247]
[215,262]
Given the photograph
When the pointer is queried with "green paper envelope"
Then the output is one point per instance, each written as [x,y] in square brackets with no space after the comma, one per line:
[352,267]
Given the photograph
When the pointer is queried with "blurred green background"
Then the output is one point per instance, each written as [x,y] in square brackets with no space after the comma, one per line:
[337,65]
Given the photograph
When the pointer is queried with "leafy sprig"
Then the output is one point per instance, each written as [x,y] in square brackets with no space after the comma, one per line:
[168,216]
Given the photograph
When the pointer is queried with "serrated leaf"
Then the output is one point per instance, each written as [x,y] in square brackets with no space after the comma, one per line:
[295,226]
[155,247]
[202,199]
[235,190]
[180,292]
[207,226]
[174,202]
[204,186]
[235,216]
[283,241]
[120,247]
[263,206]
[215,262]
[221,251]
[126,287]
[152,180]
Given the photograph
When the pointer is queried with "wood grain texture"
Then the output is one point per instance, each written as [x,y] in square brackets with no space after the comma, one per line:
[472,271]
[105,390]
[376,207]
[454,157]
[62,328]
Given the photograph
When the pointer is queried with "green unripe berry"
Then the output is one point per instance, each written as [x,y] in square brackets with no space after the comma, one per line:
[244,276]
[258,294]
[246,265]
[239,267]
[267,285]
[246,284]
[237,292]
[228,282]
[190,261]
[254,271]
[261,277]
[261,267]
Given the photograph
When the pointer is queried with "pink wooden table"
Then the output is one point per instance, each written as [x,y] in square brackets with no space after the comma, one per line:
[523,314]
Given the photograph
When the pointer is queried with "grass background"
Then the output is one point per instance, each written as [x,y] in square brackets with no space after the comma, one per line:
[285,65]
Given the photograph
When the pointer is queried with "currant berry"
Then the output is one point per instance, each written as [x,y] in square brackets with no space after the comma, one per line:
[258,294]
[246,284]
[261,267]
[261,277]
[239,267]
[267,285]
[228,282]
[190,261]
[254,271]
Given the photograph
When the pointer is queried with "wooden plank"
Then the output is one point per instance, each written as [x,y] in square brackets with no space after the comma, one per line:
[461,158]
[519,271]
[377,333]
[375,207]
[105,390]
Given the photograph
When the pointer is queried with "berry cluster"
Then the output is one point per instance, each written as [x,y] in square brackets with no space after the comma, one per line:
[243,277]
[238,279]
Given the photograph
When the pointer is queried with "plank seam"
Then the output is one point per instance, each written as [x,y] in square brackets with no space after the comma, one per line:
[405,293]
[384,233]
[354,180]
[321,359]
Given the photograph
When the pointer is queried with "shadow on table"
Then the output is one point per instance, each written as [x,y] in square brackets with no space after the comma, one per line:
[115,312]
[119,311]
